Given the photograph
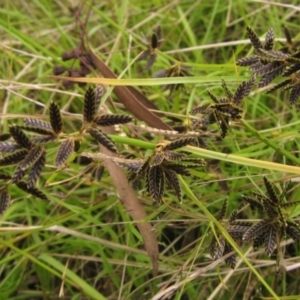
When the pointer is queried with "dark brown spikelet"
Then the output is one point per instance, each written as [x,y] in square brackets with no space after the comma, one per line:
[228,94]
[172,155]
[295,93]
[222,212]
[269,39]
[154,40]
[32,190]
[173,182]
[179,143]
[102,139]
[31,157]
[256,230]
[41,140]
[254,38]
[36,170]
[4,176]
[243,91]
[4,136]
[37,123]
[97,173]
[109,120]
[89,105]
[179,169]
[270,191]
[18,174]
[151,61]
[19,136]
[4,201]
[145,54]
[98,96]
[13,158]
[55,118]
[216,247]
[154,183]
[38,130]
[231,260]
[157,159]
[8,147]
[64,152]
[270,240]
[293,230]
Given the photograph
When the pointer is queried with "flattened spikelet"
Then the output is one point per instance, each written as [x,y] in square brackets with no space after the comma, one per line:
[19,136]
[216,248]
[179,143]
[4,136]
[151,61]
[37,123]
[32,156]
[269,40]
[279,85]
[159,34]
[32,191]
[200,109]
[173,182]
[252,202]
[295,93]
[143,55]
[64,152]
[270,241]
[154,181]
[180,169]
[231,260]
[36,170]
[256,230]
[259,240]
[228,94]
[267,78]
[40,140]
[109,120]
[8,147]
[243,90]
[254,38]
[157,159]
[237,231]
[89,105]
[247,61]
[98,96]
[18,174]
[270,191]
[4,176]
[293,231]
[289,70]
[97,173]
[154,41]
[4,201]
[36,129]
[212,96]
[172,155]
[222,212]
[13,158]
[103,139]
[273,55]
[55,118]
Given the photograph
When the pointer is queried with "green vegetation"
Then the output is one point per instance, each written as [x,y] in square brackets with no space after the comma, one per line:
[184,183]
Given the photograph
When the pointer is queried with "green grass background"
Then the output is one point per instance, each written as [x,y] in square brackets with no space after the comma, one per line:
[83,244]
